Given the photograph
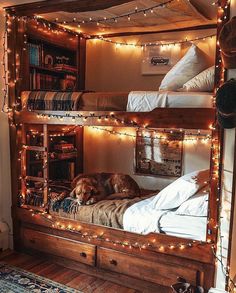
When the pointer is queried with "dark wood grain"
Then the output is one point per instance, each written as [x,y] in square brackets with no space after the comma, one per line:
[186,118]
[42,7]
[184,29]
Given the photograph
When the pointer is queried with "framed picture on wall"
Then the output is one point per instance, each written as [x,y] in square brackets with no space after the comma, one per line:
[159,153]
[160,59]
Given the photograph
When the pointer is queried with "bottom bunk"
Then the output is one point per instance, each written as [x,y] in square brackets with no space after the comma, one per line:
[152,262]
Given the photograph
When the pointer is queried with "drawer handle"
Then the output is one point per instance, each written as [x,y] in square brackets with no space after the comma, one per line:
[113,262]
[83,254]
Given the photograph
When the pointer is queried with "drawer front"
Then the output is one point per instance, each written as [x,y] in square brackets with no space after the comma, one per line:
[152,271]
[58,246]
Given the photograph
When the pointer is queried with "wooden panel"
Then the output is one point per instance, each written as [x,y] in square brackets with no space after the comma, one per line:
[70,249]
[38,31]
[152,271]
[184,29]
[41,7]
[159,117]
[200,254]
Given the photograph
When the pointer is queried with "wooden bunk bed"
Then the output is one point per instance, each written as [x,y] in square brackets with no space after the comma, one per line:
[146,262]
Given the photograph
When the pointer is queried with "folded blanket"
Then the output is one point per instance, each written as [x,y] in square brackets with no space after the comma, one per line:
[55,101]
[74,101]
[106,212]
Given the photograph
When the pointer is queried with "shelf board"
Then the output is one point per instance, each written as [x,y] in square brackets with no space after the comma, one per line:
[64,159]
[52,70]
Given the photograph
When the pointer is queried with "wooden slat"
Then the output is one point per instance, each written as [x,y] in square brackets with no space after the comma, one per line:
[45,163]
[184,29]
[42,7]
[186,118]
[32,178]
[34,148]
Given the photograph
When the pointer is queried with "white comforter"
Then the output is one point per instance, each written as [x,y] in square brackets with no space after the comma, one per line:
[145,101]
[144,218]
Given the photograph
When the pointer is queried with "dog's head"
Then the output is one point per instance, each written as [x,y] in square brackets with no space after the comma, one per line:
[85,188]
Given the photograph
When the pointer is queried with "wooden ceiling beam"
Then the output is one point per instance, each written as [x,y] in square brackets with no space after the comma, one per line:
[51,6]
[184,29]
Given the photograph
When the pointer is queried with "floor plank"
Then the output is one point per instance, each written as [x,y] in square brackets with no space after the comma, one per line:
[60,274]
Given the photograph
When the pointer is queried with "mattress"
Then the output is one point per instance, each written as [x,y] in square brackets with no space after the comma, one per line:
[184,226]
[144,101]
[135,101]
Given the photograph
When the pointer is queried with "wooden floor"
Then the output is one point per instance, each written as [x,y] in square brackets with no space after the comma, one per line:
[71,278]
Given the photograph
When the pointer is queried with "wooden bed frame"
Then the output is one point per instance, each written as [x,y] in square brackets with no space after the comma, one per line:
[151,262]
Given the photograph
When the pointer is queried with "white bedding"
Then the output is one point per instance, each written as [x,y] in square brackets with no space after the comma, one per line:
[184,226]
[144,218]
[144,101]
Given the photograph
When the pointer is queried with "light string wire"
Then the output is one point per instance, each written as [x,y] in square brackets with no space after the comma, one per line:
[7,84]
[115,18]
[5,89]
[152,44]
[225,270]
[77,229]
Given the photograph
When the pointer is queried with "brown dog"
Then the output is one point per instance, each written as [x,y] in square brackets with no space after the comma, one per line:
[91,188]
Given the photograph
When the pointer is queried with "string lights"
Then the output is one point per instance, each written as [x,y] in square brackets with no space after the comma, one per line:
[151,244]
[153,44]
[5,88]
[215,175]
[114,19]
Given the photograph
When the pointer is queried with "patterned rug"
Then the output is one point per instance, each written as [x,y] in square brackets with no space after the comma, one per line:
[15,280]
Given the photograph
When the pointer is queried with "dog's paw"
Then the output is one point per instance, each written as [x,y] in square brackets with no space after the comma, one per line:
[91,201]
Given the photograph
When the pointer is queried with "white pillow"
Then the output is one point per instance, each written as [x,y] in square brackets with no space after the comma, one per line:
[193,62]
[203,82]
[197,205]
[180,190]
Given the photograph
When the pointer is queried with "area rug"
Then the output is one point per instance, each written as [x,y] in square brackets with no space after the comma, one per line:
[16,280]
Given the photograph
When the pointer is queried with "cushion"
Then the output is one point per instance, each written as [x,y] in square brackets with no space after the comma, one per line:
[203,82]
[192,63]
[197,205]
[180,190]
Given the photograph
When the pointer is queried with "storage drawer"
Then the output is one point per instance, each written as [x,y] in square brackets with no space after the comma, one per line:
[58,246]
[152,271]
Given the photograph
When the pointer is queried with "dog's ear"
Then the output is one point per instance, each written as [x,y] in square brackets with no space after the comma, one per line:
[72,194]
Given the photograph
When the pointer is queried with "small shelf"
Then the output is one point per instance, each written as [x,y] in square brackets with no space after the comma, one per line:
[64,159]
[52,70]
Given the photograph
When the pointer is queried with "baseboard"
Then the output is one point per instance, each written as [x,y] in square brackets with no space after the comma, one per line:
[4,236]
[215,290]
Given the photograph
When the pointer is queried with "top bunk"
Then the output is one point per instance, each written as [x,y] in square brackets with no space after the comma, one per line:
[164,109]
[71,82]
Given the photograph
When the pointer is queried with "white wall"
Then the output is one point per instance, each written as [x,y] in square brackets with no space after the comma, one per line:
[104,152]
[119,69]
[5,181]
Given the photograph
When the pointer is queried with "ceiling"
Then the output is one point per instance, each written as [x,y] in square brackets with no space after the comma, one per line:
[176,15]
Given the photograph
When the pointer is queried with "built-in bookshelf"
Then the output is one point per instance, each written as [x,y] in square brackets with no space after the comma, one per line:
[52,156]
[51,67]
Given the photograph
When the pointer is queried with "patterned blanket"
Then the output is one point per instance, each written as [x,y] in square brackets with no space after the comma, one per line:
[55,101]
[74,101]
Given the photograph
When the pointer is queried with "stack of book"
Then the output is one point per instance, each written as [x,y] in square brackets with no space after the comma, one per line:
[40,81]
[65,150]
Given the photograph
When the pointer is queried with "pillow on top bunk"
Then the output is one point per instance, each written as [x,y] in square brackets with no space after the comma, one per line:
[203,82]
[196,205]
[180,190]
[193,62]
